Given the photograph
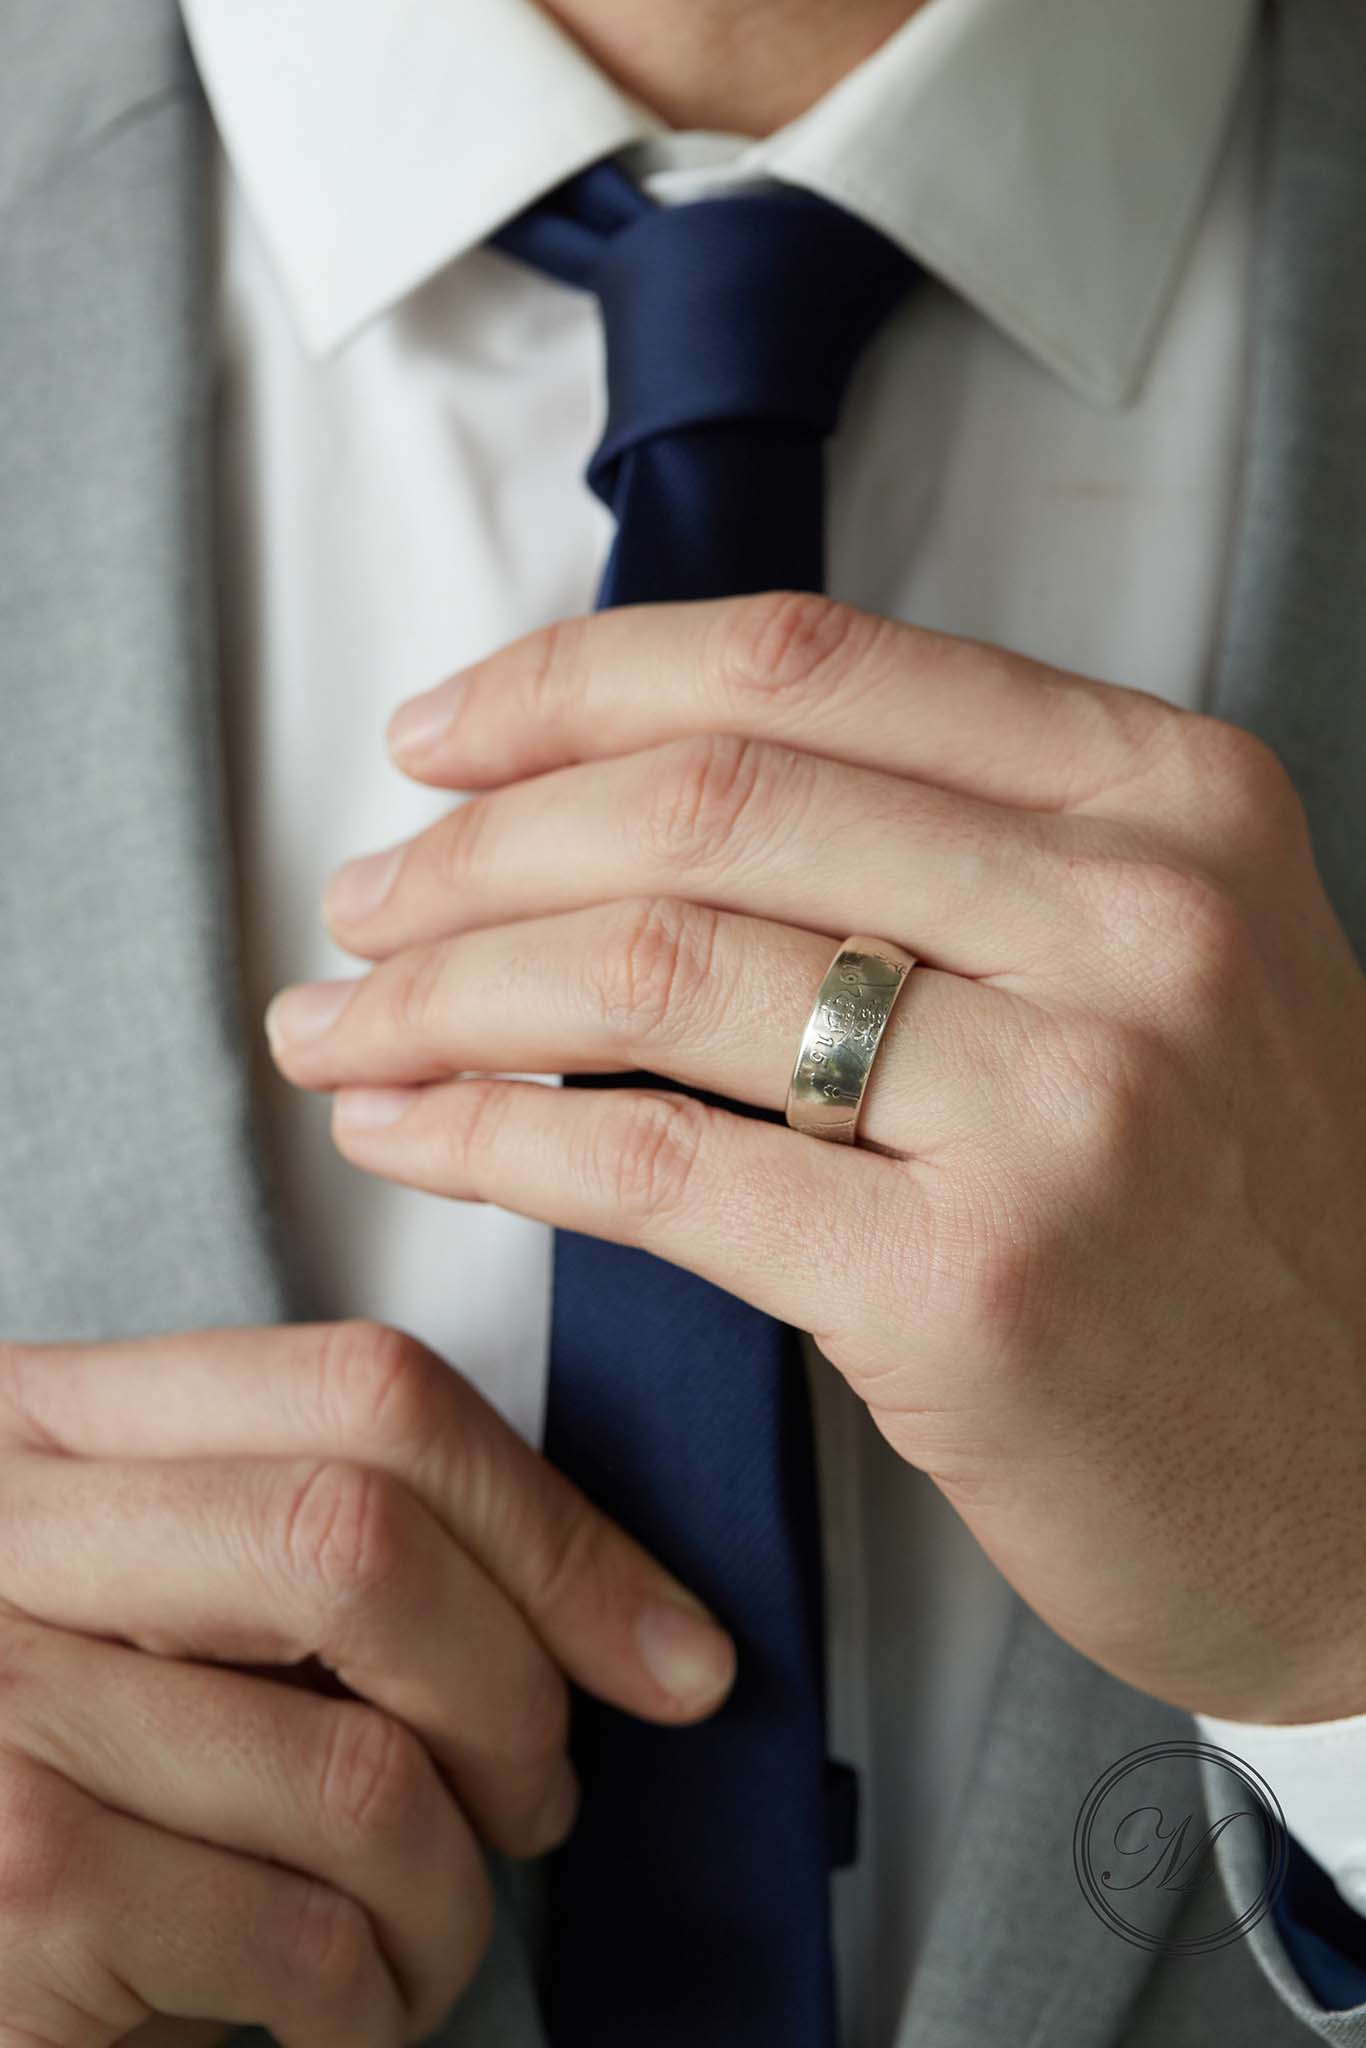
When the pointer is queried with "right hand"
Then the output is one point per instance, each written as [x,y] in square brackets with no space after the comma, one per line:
[180,1835]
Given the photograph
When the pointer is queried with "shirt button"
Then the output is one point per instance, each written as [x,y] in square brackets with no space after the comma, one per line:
[1351,1881]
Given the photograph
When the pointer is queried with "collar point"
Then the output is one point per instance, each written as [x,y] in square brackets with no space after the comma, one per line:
[1110,386]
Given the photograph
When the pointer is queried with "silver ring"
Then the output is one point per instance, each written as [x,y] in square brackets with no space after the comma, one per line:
[842,1036]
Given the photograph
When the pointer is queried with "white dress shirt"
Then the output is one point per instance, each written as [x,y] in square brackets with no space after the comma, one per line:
[1041,448]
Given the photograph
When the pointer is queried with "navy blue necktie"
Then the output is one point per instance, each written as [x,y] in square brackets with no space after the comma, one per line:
[690,1908]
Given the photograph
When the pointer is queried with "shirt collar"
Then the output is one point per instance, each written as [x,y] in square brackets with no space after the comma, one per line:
[1045,158]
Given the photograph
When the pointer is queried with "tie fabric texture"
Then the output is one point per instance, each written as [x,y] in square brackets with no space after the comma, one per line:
[1324,1938]
[691,1904]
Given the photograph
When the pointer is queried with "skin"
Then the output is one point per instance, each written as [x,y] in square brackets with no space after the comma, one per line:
[1097,1273]
[1097,1268]
[285,1622]
[710,64]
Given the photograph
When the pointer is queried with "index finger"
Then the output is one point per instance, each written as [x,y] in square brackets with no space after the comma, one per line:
[790,667]
[609,1614]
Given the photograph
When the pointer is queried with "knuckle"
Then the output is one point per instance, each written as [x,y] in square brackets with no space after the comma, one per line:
[458,846]
[788,644]
[416,988]
[373,1776]
[12,1360]
[42,1832]
[567,1553]
[1242,780]
[343,1530]
[471,1132]
[651,966]
[1208,932]
[983,1260]
[1002,1290]
[533,1730]
[21,1364]
[646,1151]
[1104,1081]
[1182,931]
[705,791]
[378,1383]
[327,1942]
[555,671]
[21,1645]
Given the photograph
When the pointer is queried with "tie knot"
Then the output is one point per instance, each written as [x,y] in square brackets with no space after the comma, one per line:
[753,307]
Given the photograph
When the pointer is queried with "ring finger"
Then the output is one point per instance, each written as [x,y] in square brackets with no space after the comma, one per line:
[708,998]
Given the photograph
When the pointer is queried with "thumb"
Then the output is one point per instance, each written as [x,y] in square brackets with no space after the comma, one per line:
[610,1615]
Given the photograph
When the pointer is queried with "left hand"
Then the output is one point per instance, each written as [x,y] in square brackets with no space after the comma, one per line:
[1097,1265]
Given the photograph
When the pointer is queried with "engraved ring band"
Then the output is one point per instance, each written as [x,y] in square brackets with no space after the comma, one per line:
[842,1036]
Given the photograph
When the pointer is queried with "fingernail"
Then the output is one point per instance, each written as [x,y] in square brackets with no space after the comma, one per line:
[367,1108]
[419,722]
[362,885]
[297,1014]
[557,1816]
[688,1655]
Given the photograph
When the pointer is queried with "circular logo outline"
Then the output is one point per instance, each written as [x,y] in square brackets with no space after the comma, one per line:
[1273,1819]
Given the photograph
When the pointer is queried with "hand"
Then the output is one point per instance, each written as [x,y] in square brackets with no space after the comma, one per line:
[1101,1273]
[181,1837]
